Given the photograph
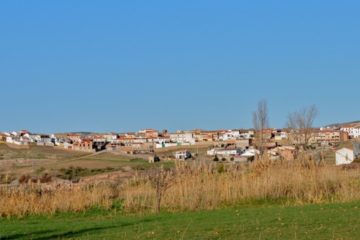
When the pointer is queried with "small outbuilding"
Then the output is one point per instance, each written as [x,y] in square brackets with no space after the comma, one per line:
[344,156]
[154,159]
[183,155]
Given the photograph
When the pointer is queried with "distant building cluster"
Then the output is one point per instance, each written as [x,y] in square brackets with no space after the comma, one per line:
[238,145]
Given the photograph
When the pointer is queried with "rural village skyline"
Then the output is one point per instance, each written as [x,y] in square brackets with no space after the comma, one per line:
[179,119]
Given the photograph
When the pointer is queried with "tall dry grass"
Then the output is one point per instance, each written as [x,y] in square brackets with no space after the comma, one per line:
[32,200]
[207,186]
[195,186]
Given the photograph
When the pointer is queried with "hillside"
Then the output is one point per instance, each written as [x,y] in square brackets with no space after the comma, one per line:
[36,161]
[339,125]
[36,152]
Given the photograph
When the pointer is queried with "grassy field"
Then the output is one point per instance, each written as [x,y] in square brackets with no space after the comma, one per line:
[37,152]
[36,160]
[200,187]
[332,221]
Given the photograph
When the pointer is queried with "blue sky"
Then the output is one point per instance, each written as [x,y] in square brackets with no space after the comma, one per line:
[127,65]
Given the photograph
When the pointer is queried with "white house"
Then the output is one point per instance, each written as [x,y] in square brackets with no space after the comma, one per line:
[344,156]
[165,145]
[182,155]
[353,132]
[247,135]
[16,140]
[9,139]
[35,138]
[110,137]
[250,153]
[281,136]
[182,137]
[229,135]
[223,152]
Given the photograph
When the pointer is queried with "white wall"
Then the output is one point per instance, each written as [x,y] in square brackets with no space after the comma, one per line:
[344,156]
[221,152]
[230,135]
[353,132]
[182,138]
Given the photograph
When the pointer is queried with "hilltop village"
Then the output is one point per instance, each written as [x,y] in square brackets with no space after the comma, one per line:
[238,145]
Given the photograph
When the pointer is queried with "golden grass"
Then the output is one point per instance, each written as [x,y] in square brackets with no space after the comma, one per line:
[32,200]
[196,186]
[204,187]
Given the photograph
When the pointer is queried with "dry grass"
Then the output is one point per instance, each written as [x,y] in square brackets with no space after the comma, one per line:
[32,200]
[208,187]
[197,187]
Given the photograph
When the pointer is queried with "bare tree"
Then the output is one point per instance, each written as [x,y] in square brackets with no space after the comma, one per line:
[301,123]
[261,122]
[161,180]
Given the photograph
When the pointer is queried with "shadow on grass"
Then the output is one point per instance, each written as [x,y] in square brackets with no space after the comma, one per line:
[58,234]
[73,233]
[52,235]
[23,235]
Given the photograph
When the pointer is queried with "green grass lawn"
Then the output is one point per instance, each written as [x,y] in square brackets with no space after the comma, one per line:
[333,221]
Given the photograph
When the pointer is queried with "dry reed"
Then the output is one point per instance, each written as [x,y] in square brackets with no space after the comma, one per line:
[32,200]
[196,187]
[205,187]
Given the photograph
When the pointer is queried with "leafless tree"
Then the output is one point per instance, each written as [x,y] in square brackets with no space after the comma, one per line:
[301,123]
[161,180]
[261,122]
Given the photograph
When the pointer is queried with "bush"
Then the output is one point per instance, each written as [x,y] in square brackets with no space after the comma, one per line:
[74,173]
[46,178]
[221,168]
[7,178]
[40,170]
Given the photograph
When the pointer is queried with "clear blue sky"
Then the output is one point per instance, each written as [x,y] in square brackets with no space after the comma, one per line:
[126,65]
